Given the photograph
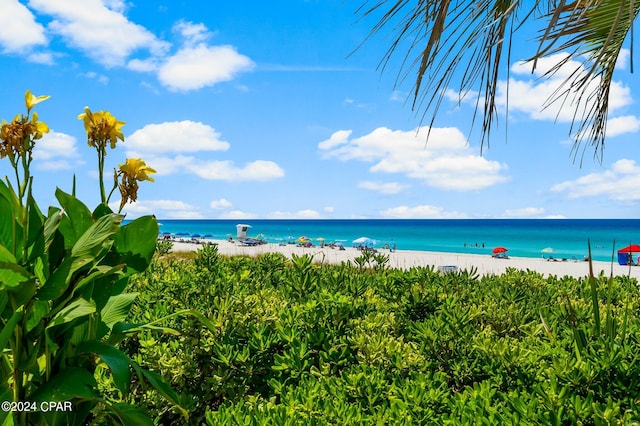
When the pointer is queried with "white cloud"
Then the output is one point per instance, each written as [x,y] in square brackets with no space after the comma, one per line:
[19,30]
[259,170]
[220,204]
[167,209]
[445,161]
[56,151]
[237,214]
[620,183]
[524,212]
[383,187]
[193,68]
[623,124]
[328,209]
[300,214]
[99,29]
[176,136]
[192,33]
[341,137]
[530,95]
[420,212]
[45,58]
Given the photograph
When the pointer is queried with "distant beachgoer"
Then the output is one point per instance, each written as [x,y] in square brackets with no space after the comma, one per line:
[394,247]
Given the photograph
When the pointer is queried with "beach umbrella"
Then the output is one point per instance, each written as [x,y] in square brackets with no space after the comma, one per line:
[196,235]
[548,250]
[633,248]
[365,241]
[499,250]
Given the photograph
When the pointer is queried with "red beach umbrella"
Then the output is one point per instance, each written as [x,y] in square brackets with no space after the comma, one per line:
[499,250]
[633,248]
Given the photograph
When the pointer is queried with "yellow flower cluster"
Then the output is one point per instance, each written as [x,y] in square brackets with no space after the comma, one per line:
[18,137]
[101,127]
[134,170]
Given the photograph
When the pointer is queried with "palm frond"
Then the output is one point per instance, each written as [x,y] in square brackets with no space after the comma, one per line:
[468,41]
[592,31]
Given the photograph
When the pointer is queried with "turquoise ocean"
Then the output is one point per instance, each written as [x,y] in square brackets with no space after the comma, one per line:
[522,237]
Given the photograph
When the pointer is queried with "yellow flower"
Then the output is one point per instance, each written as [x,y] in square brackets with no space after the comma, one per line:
[101,127]
[137,169]
[18,137]
[39,127]
[32,100]
[132,171]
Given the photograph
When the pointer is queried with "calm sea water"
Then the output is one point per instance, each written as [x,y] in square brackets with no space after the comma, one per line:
[522,237]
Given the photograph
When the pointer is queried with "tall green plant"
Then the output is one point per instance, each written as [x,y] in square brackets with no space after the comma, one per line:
[62,281]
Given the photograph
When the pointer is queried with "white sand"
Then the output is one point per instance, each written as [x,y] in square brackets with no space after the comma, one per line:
[404,259]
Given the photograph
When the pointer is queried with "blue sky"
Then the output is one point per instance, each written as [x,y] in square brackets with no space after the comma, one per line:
[263,110]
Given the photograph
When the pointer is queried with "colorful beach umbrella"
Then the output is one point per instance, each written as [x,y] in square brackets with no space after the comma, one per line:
[633,248]
[548,250]
[500,250]
[365,241]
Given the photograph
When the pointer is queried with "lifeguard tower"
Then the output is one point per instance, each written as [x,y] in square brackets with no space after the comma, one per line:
[241,231]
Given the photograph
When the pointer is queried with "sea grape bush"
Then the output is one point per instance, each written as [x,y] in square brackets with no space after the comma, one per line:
[63,276]
[294,342]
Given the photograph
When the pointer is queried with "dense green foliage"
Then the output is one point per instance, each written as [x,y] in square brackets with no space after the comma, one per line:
[296,343]
[62,281]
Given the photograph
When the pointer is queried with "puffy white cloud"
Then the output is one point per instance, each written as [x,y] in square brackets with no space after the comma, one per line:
[620,183]
[176,136]
[154,140]
[383,187]
[524,212]
[237,214]
[300,214]
[531,95]
[193,68]
[192,33]
[259,170]
[166,209]
[56,151]
[19,30]
[420,212]
[220,204]
[445,161]
[623,124]
[99,29]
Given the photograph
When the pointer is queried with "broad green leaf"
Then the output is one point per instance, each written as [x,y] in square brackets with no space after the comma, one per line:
[6,255]
[100,271]
[58,282]
[76,309]
[117,308]
[51,225]
[12,274]
[77,215]
[69,383]
[136,242]
[117,361]
[7,330]
[97,238]
[101,210]
[40,309]
[35,231]
[10,229]
[130,415]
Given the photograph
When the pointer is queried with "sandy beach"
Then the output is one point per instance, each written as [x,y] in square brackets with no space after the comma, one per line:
[404,259]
